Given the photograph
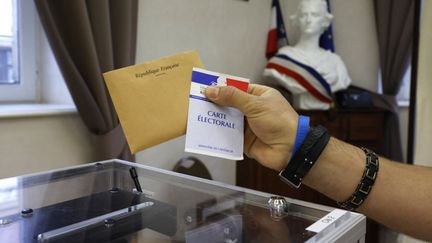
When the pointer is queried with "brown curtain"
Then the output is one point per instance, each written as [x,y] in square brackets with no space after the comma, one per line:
[89,37]
[395,26]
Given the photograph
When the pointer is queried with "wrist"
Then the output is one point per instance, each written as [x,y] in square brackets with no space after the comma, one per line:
[305,157]
[298,127]
[290,132]
[288,143]
[301,133]
[329,175]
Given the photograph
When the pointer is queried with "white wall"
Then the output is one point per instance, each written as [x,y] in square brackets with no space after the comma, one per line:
[41,143]
[230,36]
[423,135]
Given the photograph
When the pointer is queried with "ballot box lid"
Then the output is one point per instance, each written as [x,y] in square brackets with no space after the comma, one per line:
[120,201]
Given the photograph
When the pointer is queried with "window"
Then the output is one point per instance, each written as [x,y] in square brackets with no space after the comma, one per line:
[7,70]
[17,51]
[8,48]
[403,97]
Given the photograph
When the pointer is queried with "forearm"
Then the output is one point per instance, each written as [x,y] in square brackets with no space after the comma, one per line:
[401,197]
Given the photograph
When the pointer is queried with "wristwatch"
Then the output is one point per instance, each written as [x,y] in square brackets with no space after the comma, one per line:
[306,156]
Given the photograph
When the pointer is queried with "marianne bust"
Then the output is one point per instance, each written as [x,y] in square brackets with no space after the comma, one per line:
[310,73]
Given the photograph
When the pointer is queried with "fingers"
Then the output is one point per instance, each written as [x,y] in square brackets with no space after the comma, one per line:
[256,89]
[230,96]
[249,139]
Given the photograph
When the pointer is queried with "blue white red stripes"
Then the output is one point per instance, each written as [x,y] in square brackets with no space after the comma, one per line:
[276,37]
[305,75]
[203,78]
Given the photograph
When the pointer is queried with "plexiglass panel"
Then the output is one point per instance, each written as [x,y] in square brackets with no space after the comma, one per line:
[101,202]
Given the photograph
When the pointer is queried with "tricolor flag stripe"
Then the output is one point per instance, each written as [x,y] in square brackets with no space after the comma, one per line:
[280,25]
[272,36]
[276,36]
[204,78]
[316,86]
[303,82]
[326,39]
[241,85]
[311,71]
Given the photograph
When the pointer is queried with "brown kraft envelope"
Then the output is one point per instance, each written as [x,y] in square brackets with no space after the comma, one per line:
[152,99]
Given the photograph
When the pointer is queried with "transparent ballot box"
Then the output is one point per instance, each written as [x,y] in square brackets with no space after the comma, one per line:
[118,201]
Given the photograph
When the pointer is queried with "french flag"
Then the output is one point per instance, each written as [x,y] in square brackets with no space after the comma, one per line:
[326,39]
[277,35]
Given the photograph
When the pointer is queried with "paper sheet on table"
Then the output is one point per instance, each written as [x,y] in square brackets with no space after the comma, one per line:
[151,99]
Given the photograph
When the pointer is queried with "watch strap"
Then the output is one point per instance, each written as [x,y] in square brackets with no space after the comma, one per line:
[306,156]
[302,131]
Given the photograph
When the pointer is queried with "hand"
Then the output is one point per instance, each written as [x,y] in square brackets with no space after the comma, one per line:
[271,122]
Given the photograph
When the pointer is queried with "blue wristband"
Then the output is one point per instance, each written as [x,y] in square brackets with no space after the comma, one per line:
[302,131]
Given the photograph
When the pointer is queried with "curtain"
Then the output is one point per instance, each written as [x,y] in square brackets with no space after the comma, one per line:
[88,38]
[395,26]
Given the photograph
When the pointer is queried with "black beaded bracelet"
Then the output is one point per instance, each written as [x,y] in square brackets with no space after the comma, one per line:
[366,183]
[305,157]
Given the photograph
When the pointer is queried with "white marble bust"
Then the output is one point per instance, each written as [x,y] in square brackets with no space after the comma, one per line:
[313,19]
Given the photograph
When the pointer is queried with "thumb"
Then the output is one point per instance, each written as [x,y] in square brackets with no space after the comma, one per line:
[230,96]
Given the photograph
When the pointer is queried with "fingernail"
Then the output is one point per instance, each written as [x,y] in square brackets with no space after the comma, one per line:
[212,92]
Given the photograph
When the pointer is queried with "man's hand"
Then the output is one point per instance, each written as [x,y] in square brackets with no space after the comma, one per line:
[271,122]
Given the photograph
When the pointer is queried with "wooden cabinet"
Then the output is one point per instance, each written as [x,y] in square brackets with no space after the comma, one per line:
[361,127]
